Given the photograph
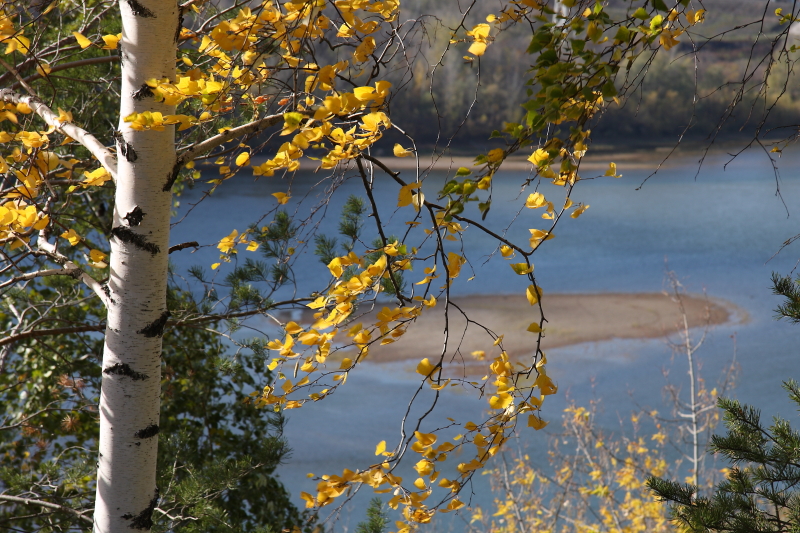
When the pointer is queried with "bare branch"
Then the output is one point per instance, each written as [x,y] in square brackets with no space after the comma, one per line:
[71,64]
[74,272]
[183,245]
[50,332]
[47,505]
[172,323]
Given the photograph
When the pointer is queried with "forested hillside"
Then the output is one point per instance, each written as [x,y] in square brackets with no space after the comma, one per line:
[694,83]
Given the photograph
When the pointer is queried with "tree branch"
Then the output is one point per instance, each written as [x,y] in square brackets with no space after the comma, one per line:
[71,64]
[183,245]
[172,323]
[396,177]
[209,144]
[48,505]
[42,273]
[89,141]
[50,250]
[50,332]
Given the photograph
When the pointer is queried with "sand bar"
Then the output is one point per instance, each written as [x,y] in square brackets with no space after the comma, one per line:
[571,319]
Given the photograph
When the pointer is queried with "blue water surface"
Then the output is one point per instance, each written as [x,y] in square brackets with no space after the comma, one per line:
[718,229]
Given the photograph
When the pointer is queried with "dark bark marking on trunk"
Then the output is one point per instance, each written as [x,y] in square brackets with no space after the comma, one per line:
[178,29]
[156,327]
[122,369]
[128,236]
[143,520]
[139,10]
[148,432]
[143,92]
[135,216]
[125,148]
[107,292]
[172,176]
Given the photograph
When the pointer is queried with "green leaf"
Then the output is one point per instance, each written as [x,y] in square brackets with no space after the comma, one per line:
[463,171]
[609,90]
[655,24]
[660,5]
[623,34]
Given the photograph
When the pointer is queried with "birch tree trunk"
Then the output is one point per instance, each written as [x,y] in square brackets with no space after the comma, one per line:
[137,312]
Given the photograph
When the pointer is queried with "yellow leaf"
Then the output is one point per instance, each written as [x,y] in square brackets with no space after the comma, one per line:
[406,197]
[477,49]
[19,42]
[243,159]
[380,448]
[111,41]
[521,268]
[399,151]
[424,467]
[83,42]
[535,201]
[425,367]
[42,223]
[579,211]
[534,328]
[215,266]
[72,237]
[282,197]
[539,157]
[545,384]
[335,266]
[535,422]
[97,256]
[425,439]
[227,244]
[612,171]
[533,294]
[43,69]
[454,263]
[506,251]
[293,328]
[501,401]
[537,236]
[495,155]
[96,177]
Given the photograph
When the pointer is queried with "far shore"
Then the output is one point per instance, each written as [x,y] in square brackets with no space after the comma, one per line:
[595,160]
[571,319]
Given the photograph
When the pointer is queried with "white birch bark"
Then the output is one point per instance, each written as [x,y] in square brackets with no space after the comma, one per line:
[137,312]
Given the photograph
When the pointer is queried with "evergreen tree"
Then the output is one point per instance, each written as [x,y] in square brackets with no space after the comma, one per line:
[377,518]
[760,493]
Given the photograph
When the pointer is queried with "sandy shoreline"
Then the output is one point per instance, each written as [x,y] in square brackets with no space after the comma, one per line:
[571,319]
[595,160]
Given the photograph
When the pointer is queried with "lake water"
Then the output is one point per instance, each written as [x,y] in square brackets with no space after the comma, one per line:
[717,231]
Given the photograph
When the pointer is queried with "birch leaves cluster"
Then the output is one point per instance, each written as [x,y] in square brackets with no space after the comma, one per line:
[266,89]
